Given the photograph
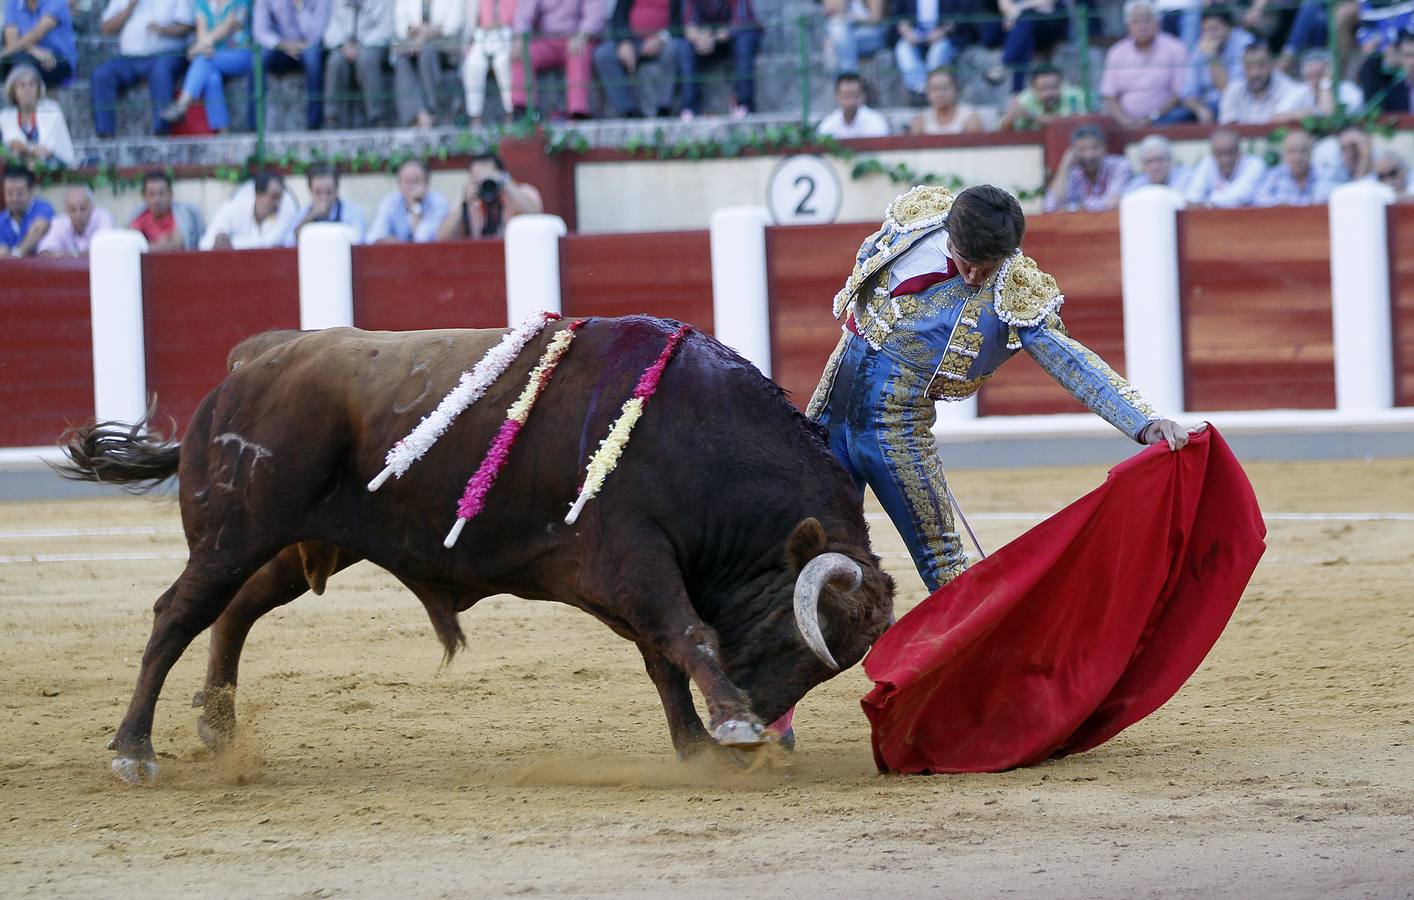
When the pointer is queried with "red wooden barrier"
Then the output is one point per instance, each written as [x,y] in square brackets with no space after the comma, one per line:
[195,309]
[806,265]
[1257,308]
[1401,228]
[666,274]
[1081,250]
[46,350]
[405,287]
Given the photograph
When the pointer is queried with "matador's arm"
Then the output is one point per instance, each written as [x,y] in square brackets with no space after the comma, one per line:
[1081,372]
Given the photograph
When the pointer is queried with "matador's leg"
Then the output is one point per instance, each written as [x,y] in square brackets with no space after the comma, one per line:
[906,474]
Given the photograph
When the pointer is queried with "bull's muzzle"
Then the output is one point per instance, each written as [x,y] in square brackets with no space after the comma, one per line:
[837,571]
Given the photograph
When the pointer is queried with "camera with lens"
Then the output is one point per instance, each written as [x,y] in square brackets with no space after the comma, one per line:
[489,191]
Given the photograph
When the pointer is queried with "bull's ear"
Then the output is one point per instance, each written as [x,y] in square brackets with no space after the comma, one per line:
[805,543]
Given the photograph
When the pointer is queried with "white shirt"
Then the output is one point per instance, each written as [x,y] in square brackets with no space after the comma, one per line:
[867,123]
[928,255]
[237,219]
[1207,185]
[1283,95]
[136,40]
[53,130]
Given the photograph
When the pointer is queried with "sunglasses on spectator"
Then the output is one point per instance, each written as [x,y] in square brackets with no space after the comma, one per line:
[1391,175]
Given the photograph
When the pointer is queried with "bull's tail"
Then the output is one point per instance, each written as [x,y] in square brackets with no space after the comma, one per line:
[116,453]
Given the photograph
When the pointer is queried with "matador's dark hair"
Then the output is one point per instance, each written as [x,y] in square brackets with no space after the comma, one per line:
[985,224]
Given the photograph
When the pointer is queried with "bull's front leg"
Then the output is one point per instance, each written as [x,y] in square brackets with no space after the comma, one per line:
[685,726]
[690,644]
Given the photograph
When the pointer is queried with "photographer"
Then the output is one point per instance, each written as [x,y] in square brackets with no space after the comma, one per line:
[490,199]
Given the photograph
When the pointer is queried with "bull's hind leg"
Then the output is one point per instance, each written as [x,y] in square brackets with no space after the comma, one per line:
[297,568]
[189,606]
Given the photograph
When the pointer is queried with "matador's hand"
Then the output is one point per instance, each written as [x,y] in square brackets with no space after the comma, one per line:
[1170,431]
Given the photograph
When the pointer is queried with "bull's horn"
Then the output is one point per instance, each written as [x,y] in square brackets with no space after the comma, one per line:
[827,568]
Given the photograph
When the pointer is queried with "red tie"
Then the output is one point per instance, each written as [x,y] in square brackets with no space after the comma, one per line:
[920,282]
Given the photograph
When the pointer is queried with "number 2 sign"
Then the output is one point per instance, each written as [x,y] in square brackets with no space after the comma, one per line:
[803,190]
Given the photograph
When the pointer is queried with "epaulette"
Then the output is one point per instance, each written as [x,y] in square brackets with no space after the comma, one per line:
[1024,295]
[924,206]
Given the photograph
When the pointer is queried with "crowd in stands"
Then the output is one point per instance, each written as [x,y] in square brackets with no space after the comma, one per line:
[262,213]
[1089,178]
[382,62]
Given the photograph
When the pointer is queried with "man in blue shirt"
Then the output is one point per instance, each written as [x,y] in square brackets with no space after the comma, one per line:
[411,214]
[27,217]
[41,33]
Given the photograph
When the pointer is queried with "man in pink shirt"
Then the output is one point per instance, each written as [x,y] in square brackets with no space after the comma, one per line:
[1145,73]
[562,30]
[71,234]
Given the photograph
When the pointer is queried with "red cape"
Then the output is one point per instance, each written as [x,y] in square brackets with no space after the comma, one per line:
[1077,629]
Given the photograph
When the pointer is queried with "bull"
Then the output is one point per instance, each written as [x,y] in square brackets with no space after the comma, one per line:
[728,545]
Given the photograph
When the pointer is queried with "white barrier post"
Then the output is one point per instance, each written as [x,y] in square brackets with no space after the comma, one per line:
[325,276]
[115,303]
[1153,334]
[533,266]
[1360,300]
[741,314]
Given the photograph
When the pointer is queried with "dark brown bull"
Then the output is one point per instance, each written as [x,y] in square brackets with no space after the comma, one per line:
[726,538]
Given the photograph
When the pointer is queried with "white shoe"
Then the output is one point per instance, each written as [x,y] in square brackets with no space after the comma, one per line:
[687,115]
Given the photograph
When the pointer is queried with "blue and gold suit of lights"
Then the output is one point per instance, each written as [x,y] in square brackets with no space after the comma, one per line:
[898,355]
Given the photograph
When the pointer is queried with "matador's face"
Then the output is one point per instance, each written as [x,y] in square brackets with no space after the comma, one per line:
[973,272]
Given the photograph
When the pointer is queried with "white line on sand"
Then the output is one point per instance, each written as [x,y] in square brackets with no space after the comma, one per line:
[22,533]
[1270,517]
[86,557]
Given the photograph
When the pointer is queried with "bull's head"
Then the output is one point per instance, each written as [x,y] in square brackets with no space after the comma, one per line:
[842,602]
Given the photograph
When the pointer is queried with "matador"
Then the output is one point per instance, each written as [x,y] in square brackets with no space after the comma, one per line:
[939,298]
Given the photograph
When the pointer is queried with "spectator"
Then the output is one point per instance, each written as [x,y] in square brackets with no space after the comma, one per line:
[1048,97]
[165,224]
[1310,32]
[291,38]
[488,48]
[1264,96]
[426,33]
[1225,178]
[325,204]
[412,213]
[32,126]
[1030,27]
[716,28]
[221,50]
[71,234]
[259,217]
[944,115]
[1293,182]
[927,39]
[644,49]
[1352,158]
[854,28]
[357,42]
[1156,166]
[1316,76]
[1389,76]
[1391,171]
[853,119]
[1216,61]
[490,199]
[152,41]
[1143,83]
[27,217]
[562,31]
[1182,19]
[41,34]
[1087,179]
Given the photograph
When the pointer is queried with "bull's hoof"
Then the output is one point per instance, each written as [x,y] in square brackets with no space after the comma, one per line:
[736,733]
[786,741]
[198,700]
[131,770]
[214,738]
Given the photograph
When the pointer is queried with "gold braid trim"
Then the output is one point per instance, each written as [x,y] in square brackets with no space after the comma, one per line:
[909,217]
[924,206]
[1024,295]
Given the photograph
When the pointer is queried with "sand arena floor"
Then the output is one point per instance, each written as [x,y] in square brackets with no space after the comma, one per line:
[539,764]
